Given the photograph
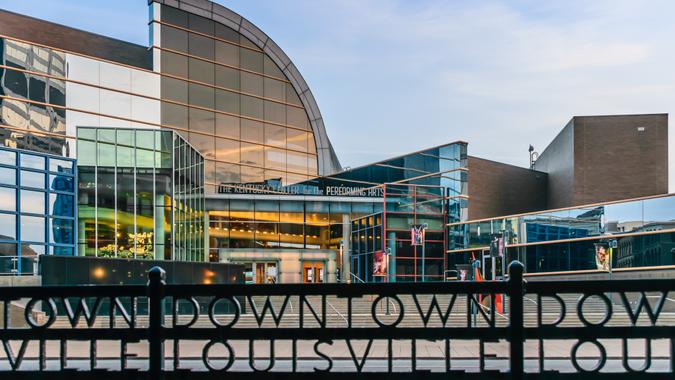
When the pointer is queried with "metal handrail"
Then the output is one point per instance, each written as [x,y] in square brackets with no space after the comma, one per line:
[338,312]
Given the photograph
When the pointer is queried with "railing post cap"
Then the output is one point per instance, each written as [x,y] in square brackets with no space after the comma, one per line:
[156,273]
[516,267]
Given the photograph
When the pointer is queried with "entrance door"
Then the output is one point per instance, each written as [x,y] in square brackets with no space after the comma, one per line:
[312,272]
[265,273]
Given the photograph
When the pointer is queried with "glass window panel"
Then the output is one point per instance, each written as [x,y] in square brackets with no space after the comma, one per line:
[204,144]
[296,140]
[227,77]
[295,178]
[7,157]
[275,158]
[227,54]
[226,33]
[61,183]
[201,71]
[174,16]
[7,199]
[8,226]
[8,176]
[201,24]
[275,175]
[249,174]
[86,153]
[275,112]
[32,228]
[174,64]
[201,46]
[106,154]
[251,154]
[227,101]
[227,126]
[106,135]
[227,150]
[32,179]
[296,162]
[174,89]
[202,121]
[60,166]
[61,231]
[275,89]
[174,39]
[312,164]
[251,60]
[252,83]
[272,69]
[252,131]
[61,205]
[311,145]
[33,162]
[297,117]
[174,115]
[292,96]
[275,135]
[252,107]
[125,156]
[200,95]
[227,173]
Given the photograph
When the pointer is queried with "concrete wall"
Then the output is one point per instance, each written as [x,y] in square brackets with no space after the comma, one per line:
[499,189]
[12,281]
[557,160]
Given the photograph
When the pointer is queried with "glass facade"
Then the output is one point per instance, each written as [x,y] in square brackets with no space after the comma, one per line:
[643,231]
[37,208]
[140,195]
[231,102]
[32,98]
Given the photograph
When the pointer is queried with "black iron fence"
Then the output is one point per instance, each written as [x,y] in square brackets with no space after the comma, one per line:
[409,330]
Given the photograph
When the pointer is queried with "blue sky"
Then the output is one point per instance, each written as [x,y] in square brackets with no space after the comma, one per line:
[395,76]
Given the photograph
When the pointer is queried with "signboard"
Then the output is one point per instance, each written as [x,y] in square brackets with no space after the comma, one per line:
[603,257]
[417,233]
[380,263]
[321,188]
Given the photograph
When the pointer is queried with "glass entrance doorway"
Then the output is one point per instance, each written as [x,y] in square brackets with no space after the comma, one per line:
[312,272]
[260,273]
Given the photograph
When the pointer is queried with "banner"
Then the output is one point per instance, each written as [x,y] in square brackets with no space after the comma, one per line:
[380,261]
[603,257]
[417,234]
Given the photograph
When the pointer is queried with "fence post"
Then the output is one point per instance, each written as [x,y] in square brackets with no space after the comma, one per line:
[156,284]
[517,339]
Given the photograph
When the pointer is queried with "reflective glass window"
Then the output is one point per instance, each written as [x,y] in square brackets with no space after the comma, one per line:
[296,140]
[227,54]
[202,121]
[297,117]
[174,115]
[226,33]
[296,162]
[61,231]
[275,158]
[33,162]
[174,39]
[292,96]
[252,131]
[60,166]
[174,16]
[227,126]
[32,228]
[251,83]
[249,174]
[201,71]
[227,150]
[32,179]
[86,153]
[227,173]
[275,89]
[174,89]
[272,69]
[7,199]
[275,112]
[8,226]
[106,155]
[204,144]
[61,204]
[174,64]
[251,154]
[227,77]
[201,46]
[275,135]
[227,101]
[251,60]
[200,95]
[7,157]
[7,176]
[32,201]
[252,107]
[201,24]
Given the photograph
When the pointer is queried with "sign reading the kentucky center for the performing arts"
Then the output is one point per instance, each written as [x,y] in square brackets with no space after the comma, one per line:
[300,189]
